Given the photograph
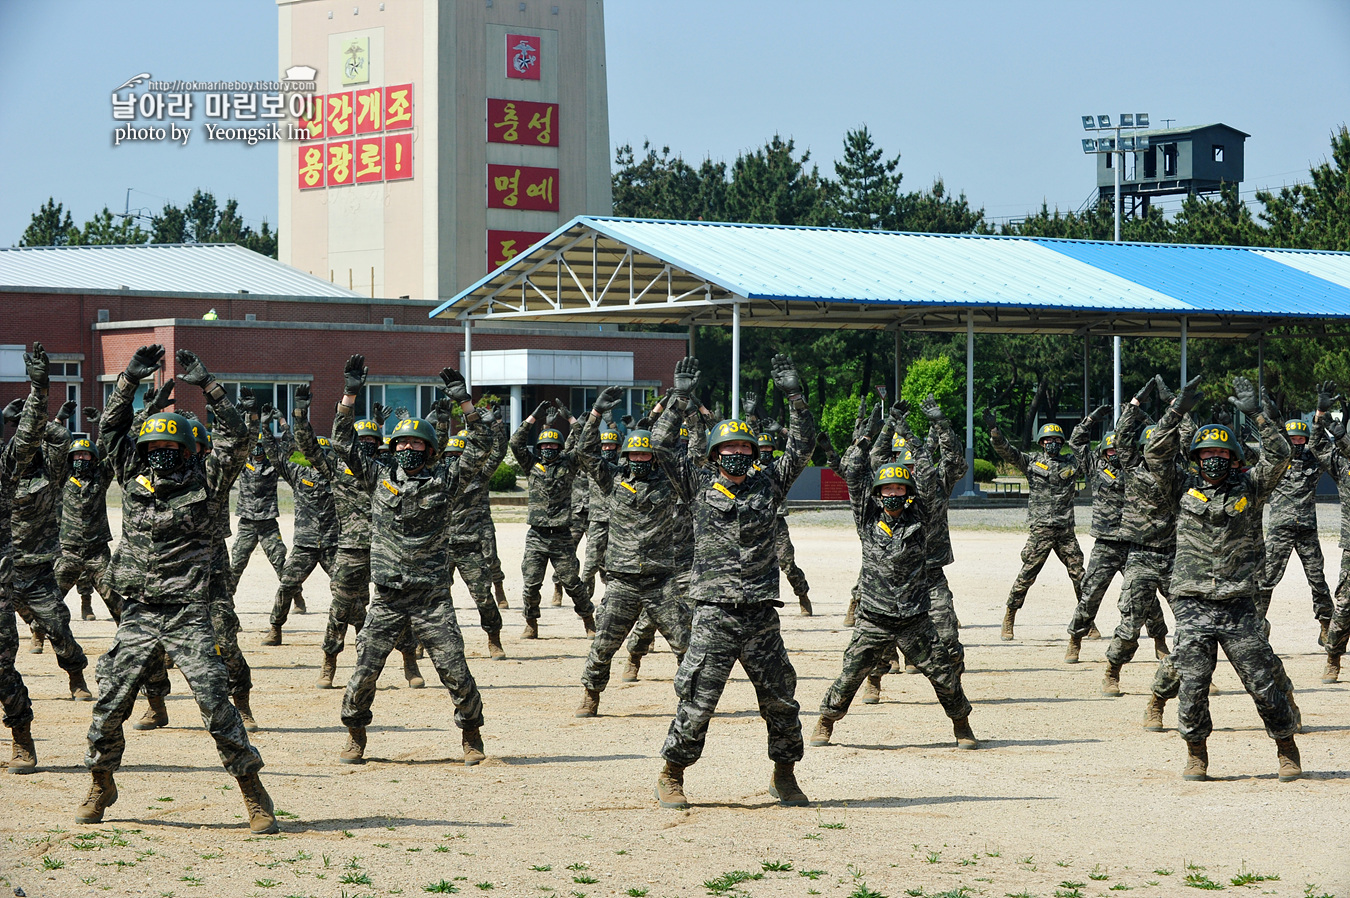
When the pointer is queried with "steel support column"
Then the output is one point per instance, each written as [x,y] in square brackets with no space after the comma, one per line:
[735,360]
[966,487]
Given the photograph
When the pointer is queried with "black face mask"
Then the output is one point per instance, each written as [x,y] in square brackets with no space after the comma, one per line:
[1053,447]
[766,457]
[735,465]
[1111,461]
[640,470]
[410,459]
[366,448]
[1298,449]
[83,467]
[609,454]
[549,454]
[164,460]
[1216,467]
[893,503]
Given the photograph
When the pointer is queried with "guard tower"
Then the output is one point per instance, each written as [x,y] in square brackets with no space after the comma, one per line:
[1176,161]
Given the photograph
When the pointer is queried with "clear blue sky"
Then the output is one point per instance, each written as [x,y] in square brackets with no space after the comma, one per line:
[986,95]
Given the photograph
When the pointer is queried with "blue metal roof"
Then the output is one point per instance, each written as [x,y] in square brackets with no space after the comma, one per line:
[879,275]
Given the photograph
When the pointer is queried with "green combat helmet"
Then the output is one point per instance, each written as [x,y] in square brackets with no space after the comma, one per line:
[1050,431]
[167,426]
[418,428]
[731,431]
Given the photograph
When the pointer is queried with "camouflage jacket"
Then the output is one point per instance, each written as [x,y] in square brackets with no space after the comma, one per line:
[1217,524]
[472,511]
[1106,482]
[410,514]
[351,499]
[734,523]
[1053,483]
[934,482]
[1293,505]
[36,518]
[1148,516]
[258,490]
[682,535]
[316,522]
[550,485]
[169,521]
[893,582]
[641,513]
[15,458]
[84,509]
[1335,457]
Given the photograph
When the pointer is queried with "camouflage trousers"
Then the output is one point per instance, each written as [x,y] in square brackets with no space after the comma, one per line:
[1039,545]
[721,635]
[627,596]
[13,693]
[494,561]
[41,604]
[1148,574]
[677,590]
[597,543]
[300,563]
[580,524]
[349,583]
[1202,627]
[431,618]
[224,627]
[875,636]
[942,611]
[470,561]
[1339,631]
[545,544]
[86,569]
[787,557]
[1107,560]
[247,537]
[1282,542]
[145,634]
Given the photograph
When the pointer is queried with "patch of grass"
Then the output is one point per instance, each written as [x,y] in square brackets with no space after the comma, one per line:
[578,866]
[266,883]
[191,880]
[776,866]
[997,852]
[1068,893]
[348,834]
[286,815]
[441,849]
[814,837]
[1310,890]
[1162,871]
[585,879]
[355,878]
[729,880]
[1199,880]
[811,874]
[88,880]
[1120,887]
[52,863]
[1022,894]
[862,891]
[444,887]
[1098,874]
[958,892]
[165,798]
[486,886]
[541,868]
[1063,863]
[933,857]
[1247,877]
[622,851]
[968,861]
[635,892]
[838,825]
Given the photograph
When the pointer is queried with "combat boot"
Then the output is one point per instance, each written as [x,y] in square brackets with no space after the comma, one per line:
[24,757]
[1075,646]
[410,671]
[531,630]
[87,608]
[501,595]
[1008,617]
[1160,649]
[871,693]
[670,787]
[1093,632]
[299,603]
[354,752]
[155,716]
[630,670]
[783,786]
[1153,721]
[851,615]
[588,621]
[805,604]
[245,712]
[590,704]
[1197,762]
[327,672]
[473,747]
[102,795]
[79,689]
[35,647]
[262,817]
[1332,673]
[272,636]
[823,731]
[1290,767]
[495,650]
[965,736]
[1111,682]
[557,594]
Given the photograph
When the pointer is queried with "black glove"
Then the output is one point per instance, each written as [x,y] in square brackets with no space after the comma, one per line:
[65,411]
[159,399]
[823,441]
[771,426]
[36,364]
[990,422]
[686,377]
[1268,407]
[539,410]
[874,422]
[1335,429]
[145,362]
[303,397]
[90,414]
[12,412]
[441,408]
[248,403]
[1149,386]
[1190,395]
[899,410]
[496,411]
[860,423]
[609,397]
[1244,397]
[749,404]
[403,413]
[354,374]
[562,409]
[553,418]
[455,385]
[785,376]
[270,415]
[381,414]
[196,373]
[1164,394]
[1326,396]
[627,421]
[930,408]
[1100,413]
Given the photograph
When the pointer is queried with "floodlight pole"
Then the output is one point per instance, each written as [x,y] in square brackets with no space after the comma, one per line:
[468,354]
[966,488]
[1120,163]
[735,360]
[1185,375]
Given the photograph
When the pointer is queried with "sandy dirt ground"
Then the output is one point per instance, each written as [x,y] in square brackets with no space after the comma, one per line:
[1067,796]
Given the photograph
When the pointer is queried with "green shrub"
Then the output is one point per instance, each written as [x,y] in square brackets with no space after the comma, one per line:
[503,479]
[299,458]
[984,471]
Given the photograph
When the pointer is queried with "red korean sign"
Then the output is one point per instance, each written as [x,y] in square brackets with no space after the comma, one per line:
[311,166]
[522,56]
[368,107]
[339,163]
[522,187]
[368,160]
[398,157]
[522,122]
[398,110]
[313,120]
[339,115]
[503,246]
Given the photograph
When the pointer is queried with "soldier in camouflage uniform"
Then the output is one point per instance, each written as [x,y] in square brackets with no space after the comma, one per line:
[782,536]
[169,509]
[891,512]
[1330,444]
[735,584]
[15,457]
[36,524]
[640,498]
[85,534]
[410,564]
[1109,549]
[581,502]
[597,505]
[316,529]
[550,470]
[1215,577]
[1052,479]
[258,512]
[1293,527]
